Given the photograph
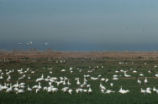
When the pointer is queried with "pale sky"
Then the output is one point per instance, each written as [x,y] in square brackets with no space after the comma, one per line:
[80,24]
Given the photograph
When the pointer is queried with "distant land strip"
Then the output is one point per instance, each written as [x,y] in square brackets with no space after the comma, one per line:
[77,54]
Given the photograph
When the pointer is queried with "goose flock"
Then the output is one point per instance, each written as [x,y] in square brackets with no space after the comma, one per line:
[75,80]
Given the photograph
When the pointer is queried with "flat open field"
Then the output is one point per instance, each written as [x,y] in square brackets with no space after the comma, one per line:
[78,78]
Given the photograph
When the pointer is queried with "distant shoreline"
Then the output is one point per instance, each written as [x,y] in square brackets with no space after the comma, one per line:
[78,54]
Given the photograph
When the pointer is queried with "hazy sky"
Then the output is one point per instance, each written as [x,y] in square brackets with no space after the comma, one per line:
[80,24]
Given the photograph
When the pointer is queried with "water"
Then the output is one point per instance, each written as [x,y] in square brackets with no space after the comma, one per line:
[78,46]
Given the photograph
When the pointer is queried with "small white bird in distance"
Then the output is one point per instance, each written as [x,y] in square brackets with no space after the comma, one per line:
[29,43]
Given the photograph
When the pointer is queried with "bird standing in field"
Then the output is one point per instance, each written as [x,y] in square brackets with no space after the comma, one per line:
[145,80]
[123,91]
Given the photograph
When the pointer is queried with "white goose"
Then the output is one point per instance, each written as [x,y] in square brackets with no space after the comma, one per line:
[126,75]
[78,81]
[139,81]
[70,91]
[156,75]
[122,91]
[102,87]
[148,90]
[29,89]
[145,80]
[108,91]
[155,90]
[142,91]
[89,90]
[9,89]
